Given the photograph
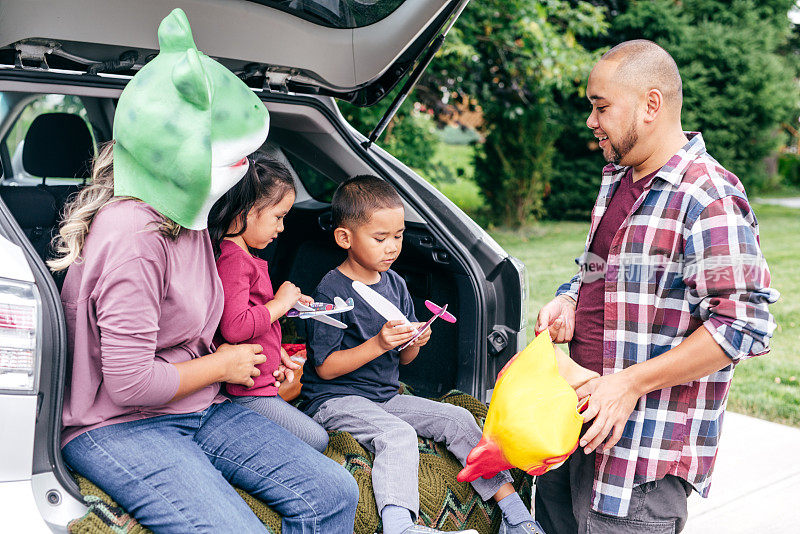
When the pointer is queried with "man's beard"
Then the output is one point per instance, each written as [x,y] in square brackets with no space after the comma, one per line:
[619,151]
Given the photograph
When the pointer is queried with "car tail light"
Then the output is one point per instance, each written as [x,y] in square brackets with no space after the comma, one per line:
[20,333]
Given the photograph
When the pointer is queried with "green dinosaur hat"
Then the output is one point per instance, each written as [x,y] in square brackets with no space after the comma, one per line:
[183,127]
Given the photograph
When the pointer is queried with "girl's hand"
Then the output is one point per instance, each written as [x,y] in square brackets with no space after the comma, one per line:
[393,334]
[305,299]
[423,338]
[286,296]
[285,372]
[238,363]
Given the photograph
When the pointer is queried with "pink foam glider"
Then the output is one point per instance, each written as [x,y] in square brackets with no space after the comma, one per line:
[437,312]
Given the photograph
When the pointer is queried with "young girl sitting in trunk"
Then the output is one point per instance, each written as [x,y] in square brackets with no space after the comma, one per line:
[249,216]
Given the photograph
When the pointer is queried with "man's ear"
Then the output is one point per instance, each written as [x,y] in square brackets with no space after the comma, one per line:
[654,104]
[343,237]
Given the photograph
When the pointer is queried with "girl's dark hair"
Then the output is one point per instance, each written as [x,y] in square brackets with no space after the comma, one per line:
[267,181]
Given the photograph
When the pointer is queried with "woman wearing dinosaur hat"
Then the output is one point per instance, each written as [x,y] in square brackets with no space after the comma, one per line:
[143,417]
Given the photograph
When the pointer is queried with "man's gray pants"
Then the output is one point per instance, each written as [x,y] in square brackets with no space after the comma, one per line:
[563,499]
[389,430]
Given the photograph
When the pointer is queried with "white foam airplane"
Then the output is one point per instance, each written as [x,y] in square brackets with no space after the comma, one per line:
[390,312]
[320,311]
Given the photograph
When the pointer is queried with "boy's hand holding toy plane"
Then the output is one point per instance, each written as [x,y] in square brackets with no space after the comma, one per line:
[391,313]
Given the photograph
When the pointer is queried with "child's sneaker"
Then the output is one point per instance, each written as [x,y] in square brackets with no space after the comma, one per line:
[419,529]
[526,527]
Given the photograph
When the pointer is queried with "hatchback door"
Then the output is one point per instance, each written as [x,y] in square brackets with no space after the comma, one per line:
[356,50]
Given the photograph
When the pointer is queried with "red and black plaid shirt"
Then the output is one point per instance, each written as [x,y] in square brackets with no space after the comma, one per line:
[688,255]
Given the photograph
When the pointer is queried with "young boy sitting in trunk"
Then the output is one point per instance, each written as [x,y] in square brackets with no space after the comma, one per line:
[352,376]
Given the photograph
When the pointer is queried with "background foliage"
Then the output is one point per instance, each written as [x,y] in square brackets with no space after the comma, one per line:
[739,70]
[524,64]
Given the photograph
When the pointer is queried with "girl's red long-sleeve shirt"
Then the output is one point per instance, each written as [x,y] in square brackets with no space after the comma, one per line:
[245,318]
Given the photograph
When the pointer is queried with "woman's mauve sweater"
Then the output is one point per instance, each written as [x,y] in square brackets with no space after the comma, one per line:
[137,303]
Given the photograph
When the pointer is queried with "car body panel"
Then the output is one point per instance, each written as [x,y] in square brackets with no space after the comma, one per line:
[14,265]
[18,512]
[17,419]
[236,32]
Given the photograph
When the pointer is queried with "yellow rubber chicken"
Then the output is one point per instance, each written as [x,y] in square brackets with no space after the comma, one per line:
[533,421]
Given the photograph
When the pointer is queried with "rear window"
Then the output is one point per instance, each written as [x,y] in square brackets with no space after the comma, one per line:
[337,13]
[12,144]
[318,185]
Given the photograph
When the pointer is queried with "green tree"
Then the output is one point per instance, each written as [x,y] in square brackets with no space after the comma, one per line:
[738,80]
[410,136]
[737,88]
[514,57]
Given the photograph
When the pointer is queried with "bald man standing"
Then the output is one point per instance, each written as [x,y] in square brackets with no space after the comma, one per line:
[672,292]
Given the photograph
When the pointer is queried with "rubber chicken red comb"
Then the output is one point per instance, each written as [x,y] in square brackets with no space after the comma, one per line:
[533,421]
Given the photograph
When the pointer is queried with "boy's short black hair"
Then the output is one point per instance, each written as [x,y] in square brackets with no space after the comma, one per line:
[357,198]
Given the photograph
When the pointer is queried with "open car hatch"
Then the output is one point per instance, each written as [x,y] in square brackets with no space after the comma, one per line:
[355,50]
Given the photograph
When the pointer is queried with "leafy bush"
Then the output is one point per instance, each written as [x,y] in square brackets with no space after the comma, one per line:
[512,57]
[737,87]
[738,84]
[410,137]
[789,169]
[572,187]
[513,167]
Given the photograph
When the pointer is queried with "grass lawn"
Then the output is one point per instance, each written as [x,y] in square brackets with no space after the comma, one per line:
[768,386]
[456,157]
[461,190]
[765,387]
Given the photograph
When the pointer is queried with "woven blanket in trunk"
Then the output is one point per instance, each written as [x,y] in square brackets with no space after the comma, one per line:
[445,503]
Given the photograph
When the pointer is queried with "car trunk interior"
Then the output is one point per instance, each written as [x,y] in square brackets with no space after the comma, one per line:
[305,251]
[320,156]
[446,257]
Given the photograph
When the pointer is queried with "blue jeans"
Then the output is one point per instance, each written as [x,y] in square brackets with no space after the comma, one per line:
[173,473]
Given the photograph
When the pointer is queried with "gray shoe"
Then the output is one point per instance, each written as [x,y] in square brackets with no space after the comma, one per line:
[419,529]
[526,527]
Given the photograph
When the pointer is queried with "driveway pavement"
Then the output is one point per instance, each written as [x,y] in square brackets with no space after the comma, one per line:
[791,202]
[756,481]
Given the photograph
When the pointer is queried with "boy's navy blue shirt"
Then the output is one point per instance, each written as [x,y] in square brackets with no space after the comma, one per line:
[377,380]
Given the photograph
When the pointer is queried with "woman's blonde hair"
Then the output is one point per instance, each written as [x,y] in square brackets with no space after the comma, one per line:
[80,211]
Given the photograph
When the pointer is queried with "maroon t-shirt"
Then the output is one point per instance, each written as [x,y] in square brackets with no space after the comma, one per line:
[586,347]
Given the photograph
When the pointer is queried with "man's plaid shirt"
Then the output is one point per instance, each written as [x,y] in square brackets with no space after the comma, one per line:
[687,255]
